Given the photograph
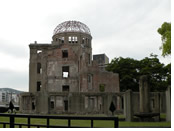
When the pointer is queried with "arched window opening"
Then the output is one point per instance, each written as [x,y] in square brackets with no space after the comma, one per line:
[83,40]
[72,39]
[61,40]
[76,40]
[69,39]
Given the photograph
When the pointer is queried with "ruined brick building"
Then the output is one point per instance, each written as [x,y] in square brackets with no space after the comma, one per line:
[63,78]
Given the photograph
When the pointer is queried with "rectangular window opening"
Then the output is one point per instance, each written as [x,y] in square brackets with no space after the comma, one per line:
[61,40]
[91,103]
[89,59]
[76,40]
[64,53]
[65,88]
[65,71]
[69,39]
[83,40]
[100,107]
[39,85]
[102,87]
[39,68]
[66,105]
[52,104]
[73,39]
[89,78]
[33,105]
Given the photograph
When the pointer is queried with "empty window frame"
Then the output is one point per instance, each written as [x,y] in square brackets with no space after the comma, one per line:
[64,53]
[39,85]
[83,40]
[72,39]
[75,39]
[89,78]
[65,71]
[66,105]
[89,58]
[61,40]
[33,104]
[91,103]
[102,87]
[69,39]
[65,88]
[52,104]
[39,68]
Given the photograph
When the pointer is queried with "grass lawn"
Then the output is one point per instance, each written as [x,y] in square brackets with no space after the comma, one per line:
[86,123]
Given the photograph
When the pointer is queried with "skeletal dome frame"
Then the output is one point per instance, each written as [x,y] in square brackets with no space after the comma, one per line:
[71,26]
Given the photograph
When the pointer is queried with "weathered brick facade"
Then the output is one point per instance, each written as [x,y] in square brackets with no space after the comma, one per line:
[64,78]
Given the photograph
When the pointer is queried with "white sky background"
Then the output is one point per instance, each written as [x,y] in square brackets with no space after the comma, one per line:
[126,28]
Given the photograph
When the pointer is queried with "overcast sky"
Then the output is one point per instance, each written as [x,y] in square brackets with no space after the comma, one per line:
[126,28]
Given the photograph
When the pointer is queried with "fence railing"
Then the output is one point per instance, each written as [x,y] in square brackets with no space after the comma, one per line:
[13,124]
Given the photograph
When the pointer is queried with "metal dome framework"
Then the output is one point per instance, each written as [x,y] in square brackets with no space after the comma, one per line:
[71,26]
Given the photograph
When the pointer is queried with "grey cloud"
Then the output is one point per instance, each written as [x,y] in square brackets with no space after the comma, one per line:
[11,79]
[128,14]
[13,49]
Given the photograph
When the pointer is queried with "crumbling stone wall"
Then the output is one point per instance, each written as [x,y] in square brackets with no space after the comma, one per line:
[59,70]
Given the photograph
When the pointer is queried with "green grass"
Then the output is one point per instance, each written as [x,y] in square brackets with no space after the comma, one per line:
[163,116]
[144,124]
[86,123]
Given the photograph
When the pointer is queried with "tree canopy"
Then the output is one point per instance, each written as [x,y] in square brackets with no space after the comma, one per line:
[165,32]
[130,71]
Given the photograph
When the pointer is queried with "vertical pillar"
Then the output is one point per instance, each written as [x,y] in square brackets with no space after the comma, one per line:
[144,94]
[157,106]
[157,102]
[11,121]
[105,104]
[44,71]
[128,105]
[33,69]
[42,100]
[168,104]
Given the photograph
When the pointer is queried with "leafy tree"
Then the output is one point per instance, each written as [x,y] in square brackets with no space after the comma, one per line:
[165,32]
[156,71]
[130,71]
